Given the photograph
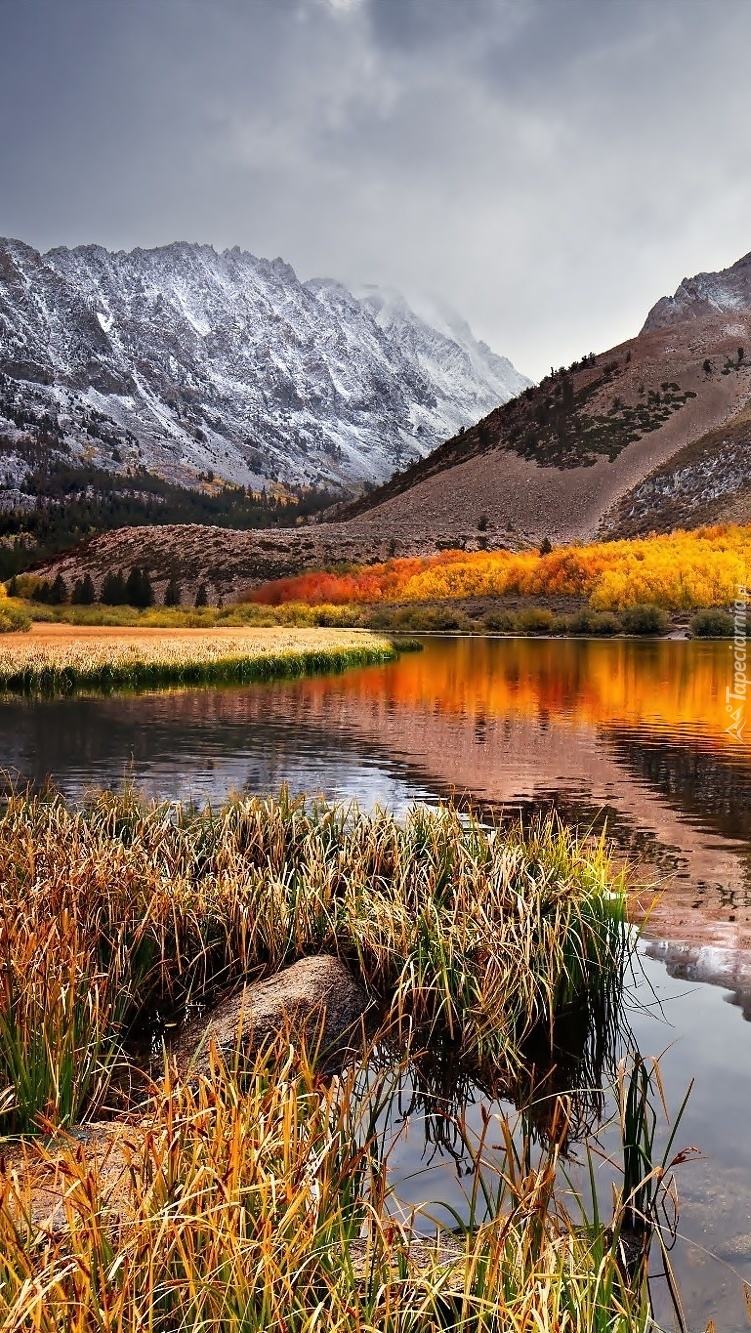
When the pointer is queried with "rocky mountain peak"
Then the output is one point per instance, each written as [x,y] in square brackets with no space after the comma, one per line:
[183,359]
[704,295]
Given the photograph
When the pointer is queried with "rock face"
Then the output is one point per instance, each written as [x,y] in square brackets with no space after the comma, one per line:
[318,998]
[706,294]
[184,360]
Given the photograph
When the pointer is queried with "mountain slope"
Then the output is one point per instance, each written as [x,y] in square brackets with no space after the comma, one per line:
[599,446]
[185,361]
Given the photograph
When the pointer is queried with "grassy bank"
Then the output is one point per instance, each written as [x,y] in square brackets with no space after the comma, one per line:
[61,660]
[268,1209]
[509,615]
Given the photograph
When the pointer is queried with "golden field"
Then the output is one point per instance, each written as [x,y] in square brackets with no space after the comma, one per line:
[64,656]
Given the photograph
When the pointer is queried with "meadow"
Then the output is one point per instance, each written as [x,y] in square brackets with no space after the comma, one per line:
[262,1201]
[680,571]
[60,658]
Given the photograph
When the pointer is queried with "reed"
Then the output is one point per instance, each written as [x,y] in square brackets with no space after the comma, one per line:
[271,1209]
[66,663]
[122,911]
[266,1203]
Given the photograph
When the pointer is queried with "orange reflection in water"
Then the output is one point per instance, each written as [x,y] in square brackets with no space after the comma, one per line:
[637,726]
[673,686]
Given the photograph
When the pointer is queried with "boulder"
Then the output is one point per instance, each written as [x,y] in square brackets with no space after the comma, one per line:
[317,1000]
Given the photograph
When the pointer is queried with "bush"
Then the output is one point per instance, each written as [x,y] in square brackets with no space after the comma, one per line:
[715,623]
[537,620]
[420,620]
[644,618]
[499,622]
[13,618]
[598,624]
[333,617]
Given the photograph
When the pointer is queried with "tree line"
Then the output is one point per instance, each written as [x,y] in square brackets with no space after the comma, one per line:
[117,589]
[72,504]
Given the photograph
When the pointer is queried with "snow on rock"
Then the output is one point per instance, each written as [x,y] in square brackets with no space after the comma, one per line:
[185,360]
[705,294]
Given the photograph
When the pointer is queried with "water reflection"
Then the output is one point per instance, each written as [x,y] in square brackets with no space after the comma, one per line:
[636,729]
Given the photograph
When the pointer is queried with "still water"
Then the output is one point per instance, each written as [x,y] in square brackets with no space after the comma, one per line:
[625,733]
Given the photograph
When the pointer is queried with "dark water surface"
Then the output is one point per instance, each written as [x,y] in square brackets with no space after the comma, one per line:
[634,733]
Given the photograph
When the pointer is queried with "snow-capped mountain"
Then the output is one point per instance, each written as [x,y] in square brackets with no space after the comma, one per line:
[185,361]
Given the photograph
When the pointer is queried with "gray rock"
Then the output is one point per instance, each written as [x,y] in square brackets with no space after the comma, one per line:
[317,998]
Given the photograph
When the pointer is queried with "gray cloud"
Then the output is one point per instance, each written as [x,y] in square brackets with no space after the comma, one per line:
[549,166]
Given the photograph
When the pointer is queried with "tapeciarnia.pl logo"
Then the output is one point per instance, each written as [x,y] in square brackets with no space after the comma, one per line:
[736,694]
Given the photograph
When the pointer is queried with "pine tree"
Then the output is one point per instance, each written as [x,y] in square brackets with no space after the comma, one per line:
[83,592]
[113,590]
[59,591]
[202,598]
[138,588]
[173,593]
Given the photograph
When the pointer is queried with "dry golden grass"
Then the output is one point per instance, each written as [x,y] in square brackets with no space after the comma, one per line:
[261,1202]
[266,1208]
[55,656]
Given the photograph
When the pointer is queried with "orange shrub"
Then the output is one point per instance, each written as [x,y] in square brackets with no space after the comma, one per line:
[679,570]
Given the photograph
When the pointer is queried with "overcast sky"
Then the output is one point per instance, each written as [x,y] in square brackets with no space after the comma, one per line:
[549,167]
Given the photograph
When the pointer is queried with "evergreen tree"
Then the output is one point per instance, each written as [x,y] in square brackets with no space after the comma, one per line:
[173,593]
[113,590]
[202,598]
[83,592]
[59,591]
[138,588]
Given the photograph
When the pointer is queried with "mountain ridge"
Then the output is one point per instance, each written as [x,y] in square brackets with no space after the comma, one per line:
[650,435]
[187,360]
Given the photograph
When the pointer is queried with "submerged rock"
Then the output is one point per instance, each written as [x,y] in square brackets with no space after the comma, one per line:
[317,1000]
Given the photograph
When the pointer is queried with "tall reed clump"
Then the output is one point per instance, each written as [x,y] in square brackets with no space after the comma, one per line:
[118,913]
[268,1209]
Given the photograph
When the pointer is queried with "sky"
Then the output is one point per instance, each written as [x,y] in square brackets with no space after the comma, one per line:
[550,168]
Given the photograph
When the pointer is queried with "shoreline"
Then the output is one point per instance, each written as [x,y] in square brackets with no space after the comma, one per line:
[60,659]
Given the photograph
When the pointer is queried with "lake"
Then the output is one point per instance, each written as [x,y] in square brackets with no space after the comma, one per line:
[628,735]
